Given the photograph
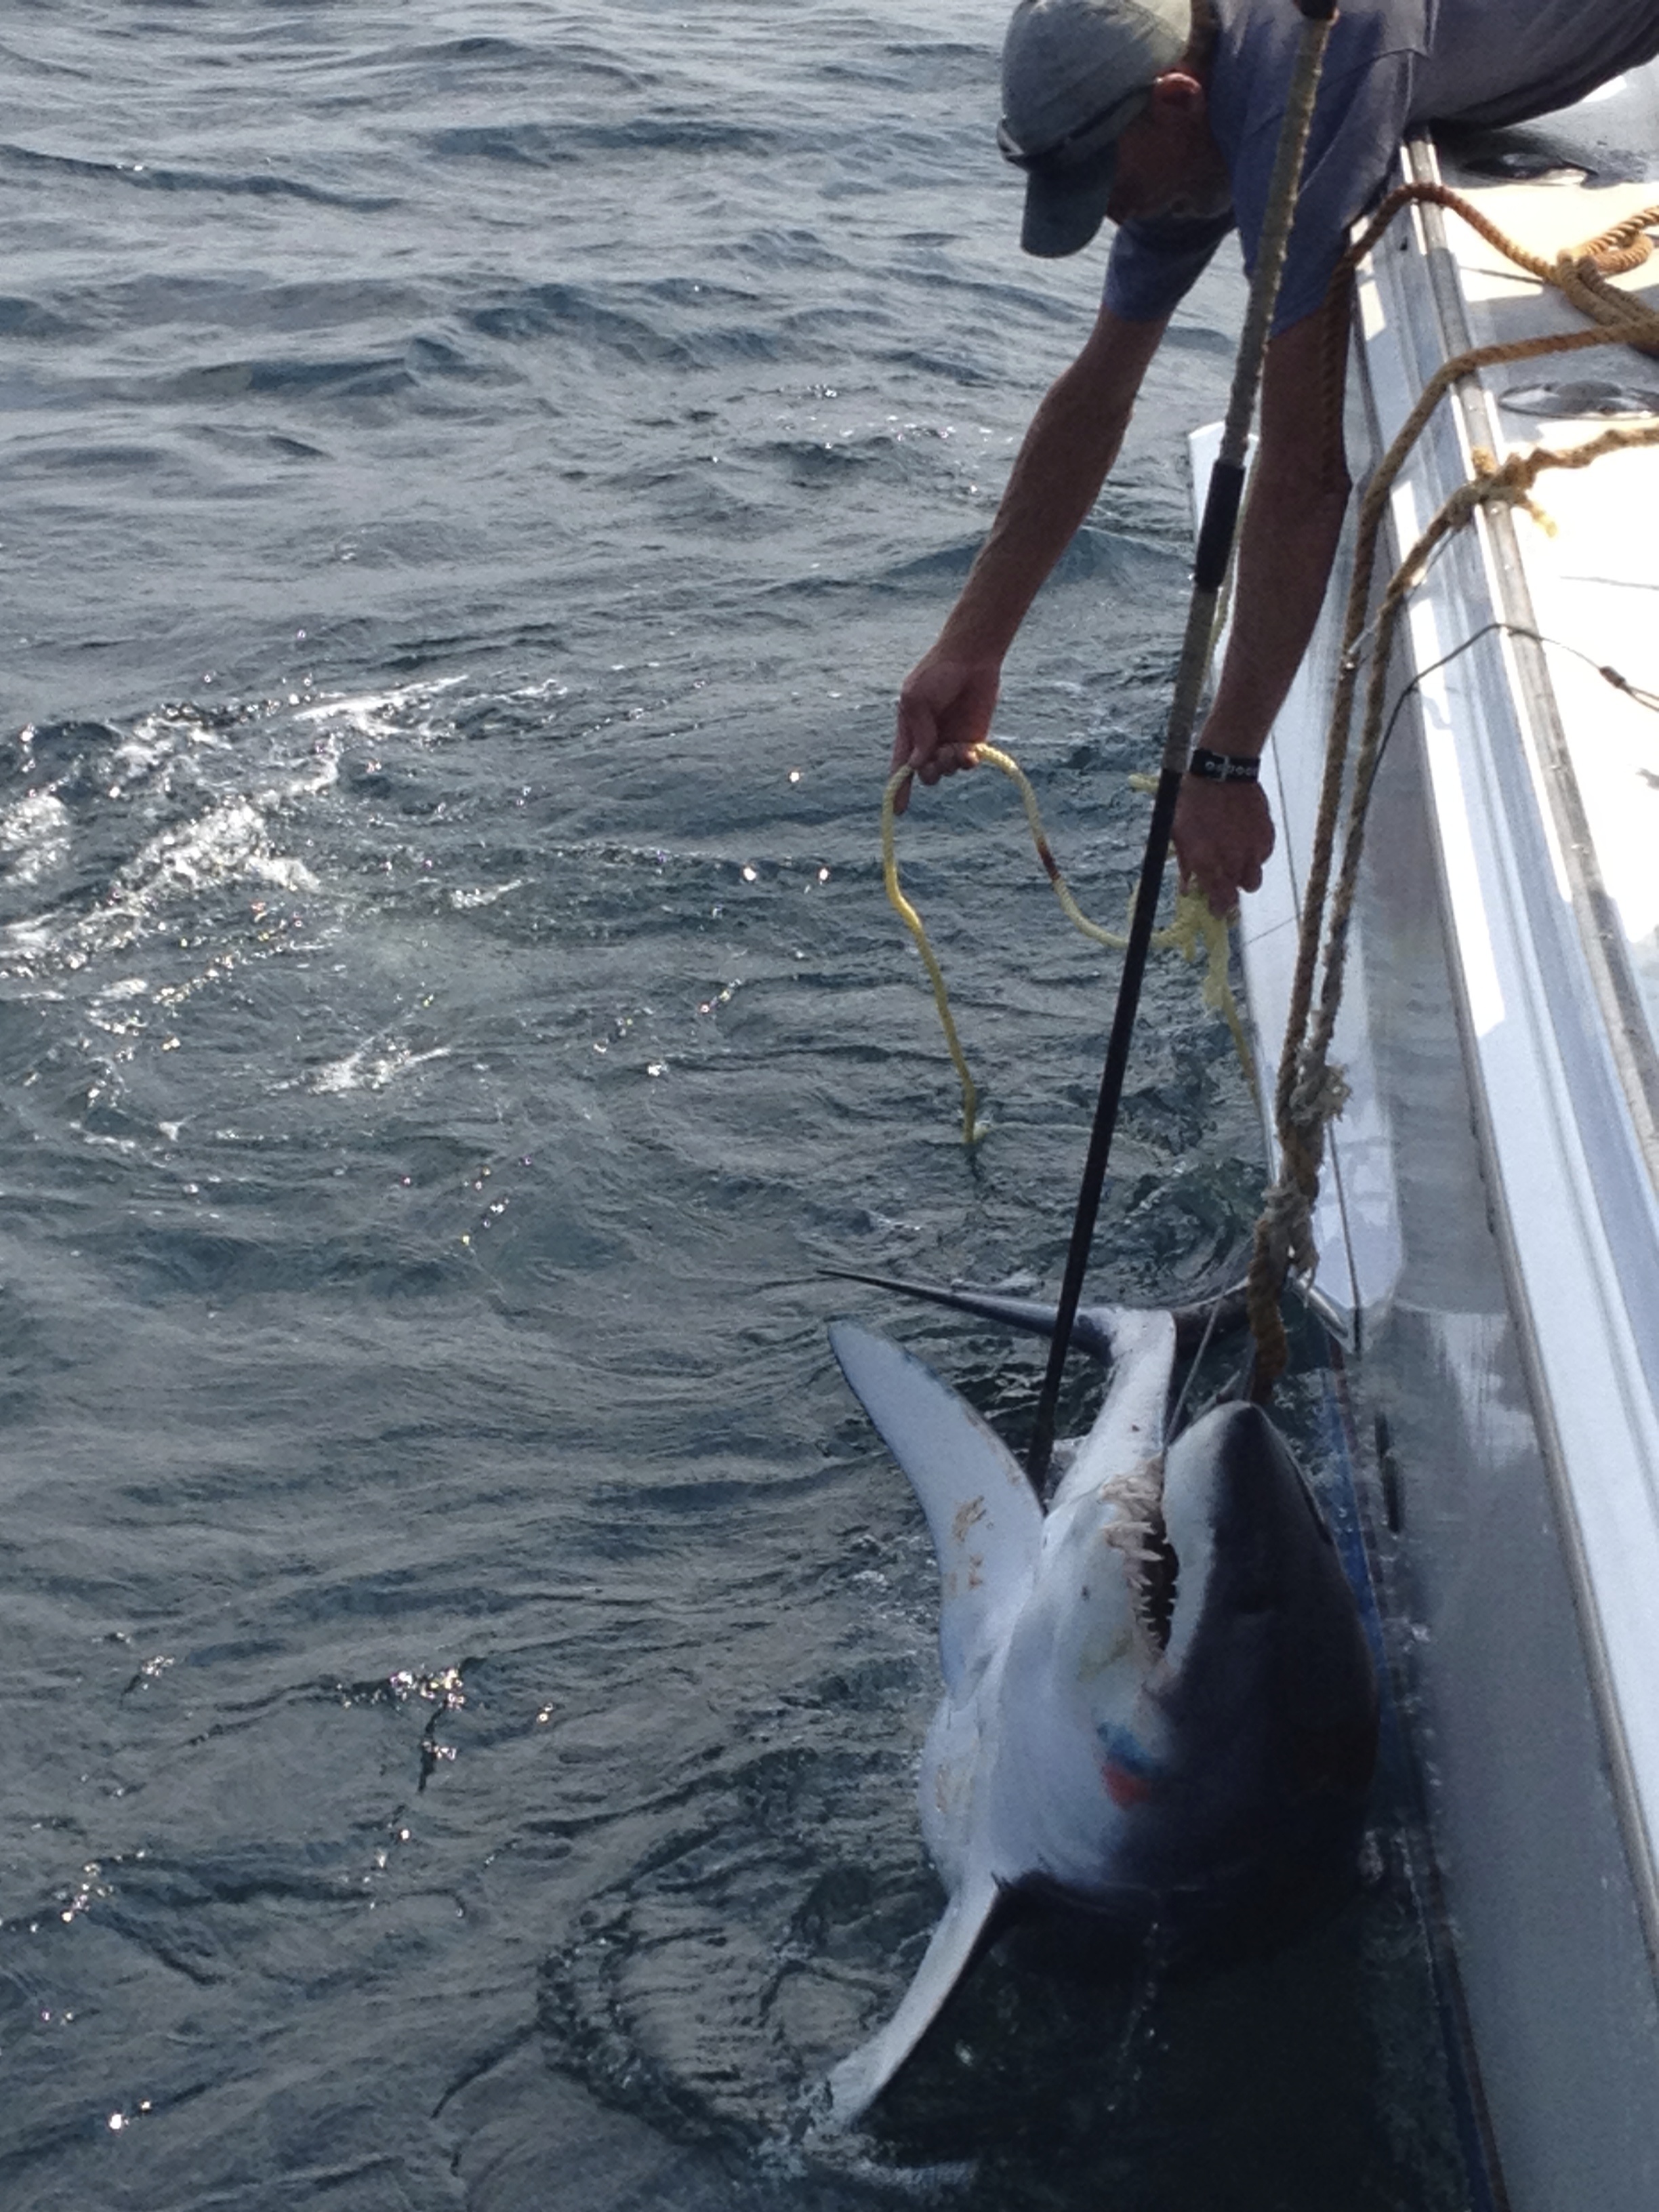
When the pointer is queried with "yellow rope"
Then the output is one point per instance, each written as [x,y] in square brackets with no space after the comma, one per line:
[1309,1093]
[1192,930]
[971,1132]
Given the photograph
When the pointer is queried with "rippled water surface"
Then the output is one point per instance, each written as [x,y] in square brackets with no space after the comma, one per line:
[474,476]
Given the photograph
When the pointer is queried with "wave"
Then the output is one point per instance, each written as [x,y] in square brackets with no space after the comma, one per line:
[566,58]
[530,145]
[28,318]
[683,134]
[142,177]
[617,320]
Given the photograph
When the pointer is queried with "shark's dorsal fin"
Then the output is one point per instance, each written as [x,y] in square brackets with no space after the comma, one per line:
[965,1927]
[982,1515]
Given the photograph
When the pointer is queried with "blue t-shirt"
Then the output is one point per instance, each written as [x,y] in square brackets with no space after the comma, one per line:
[1390,64]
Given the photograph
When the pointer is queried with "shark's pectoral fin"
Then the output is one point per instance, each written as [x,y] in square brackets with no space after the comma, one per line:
[856,2083]
[982,1515]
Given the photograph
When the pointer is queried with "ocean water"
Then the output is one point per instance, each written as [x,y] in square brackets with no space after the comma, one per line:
[474,476]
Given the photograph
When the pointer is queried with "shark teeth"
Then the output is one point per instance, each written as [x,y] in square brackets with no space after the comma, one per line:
[1138,1535]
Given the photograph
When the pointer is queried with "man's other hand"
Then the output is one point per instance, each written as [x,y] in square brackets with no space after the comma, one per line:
[1222,834]
[945,710]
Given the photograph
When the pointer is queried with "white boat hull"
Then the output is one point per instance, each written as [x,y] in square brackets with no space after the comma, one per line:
[1489,1223]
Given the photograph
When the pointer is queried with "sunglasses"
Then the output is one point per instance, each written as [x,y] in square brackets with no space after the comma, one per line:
[1079,146]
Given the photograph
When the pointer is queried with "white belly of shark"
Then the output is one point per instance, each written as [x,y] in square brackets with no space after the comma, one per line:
[1159,1704]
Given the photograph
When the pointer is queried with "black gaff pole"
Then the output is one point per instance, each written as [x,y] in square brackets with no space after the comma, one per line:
[1215,544]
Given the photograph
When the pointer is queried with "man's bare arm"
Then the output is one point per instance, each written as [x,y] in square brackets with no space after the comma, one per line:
[1299,492]
[948,699]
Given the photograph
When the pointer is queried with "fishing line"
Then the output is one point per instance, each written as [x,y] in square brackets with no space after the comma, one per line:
[1192,1372]
[1608,674]
[1635,692]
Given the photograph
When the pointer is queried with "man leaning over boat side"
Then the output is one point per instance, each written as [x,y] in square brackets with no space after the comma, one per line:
[1162,115]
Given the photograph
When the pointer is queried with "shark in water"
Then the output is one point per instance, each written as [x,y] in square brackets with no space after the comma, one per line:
[1159,1703]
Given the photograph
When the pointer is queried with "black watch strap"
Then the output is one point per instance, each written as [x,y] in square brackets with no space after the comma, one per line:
[1224,767]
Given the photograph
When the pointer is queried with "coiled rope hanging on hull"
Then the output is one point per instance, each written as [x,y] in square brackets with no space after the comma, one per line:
[1309,1092]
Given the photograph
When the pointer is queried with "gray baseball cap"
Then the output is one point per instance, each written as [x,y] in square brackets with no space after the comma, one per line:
[1075,75]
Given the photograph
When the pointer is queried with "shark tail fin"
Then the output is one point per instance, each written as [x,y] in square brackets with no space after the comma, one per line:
[964,1928]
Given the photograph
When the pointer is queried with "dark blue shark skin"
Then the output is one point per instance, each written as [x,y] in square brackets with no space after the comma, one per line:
[1254,1832]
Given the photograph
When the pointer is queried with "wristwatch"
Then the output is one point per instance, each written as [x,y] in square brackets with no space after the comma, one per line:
[1224,767]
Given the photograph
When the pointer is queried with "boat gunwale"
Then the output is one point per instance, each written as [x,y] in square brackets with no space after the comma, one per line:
[1491,552]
